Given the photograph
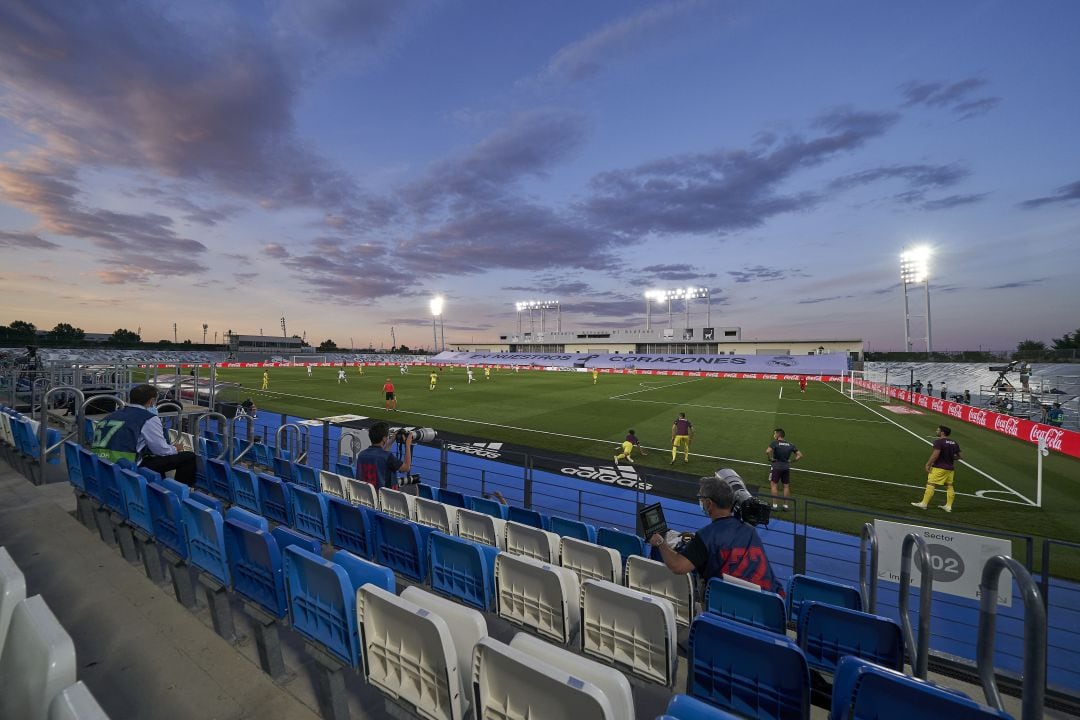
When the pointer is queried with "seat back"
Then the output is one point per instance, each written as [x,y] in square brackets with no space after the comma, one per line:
[804,587]
[590,561]
[322,603]
[864,690]
[653,578]
[747,671]
[12,591]
[345,469]
[532,518]
[220,482]
[206,539]
[274,499]
[350,527]
[71,460]
[88,462]
[625,543]
[76,702]
[305,476]
[463,570]
[481,528]
[363,493]
[449,497]
[574,529]
[401,546]
[468,627]
[245,488]
[133,489]
[537,596]
[827,633]
[409,654]
[752,606]
[436,515]
[332,484]
[255,566]
[309,513]
[532,542]
[630,630]
[247,517]
[494,508]
[110,488]
[511,683]
[38,661]
[684,707]
[166,519]
[283,468]
[397,504]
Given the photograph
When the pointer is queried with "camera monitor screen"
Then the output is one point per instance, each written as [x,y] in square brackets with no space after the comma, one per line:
[652,520]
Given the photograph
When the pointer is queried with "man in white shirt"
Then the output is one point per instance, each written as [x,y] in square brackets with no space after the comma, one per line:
[135,432]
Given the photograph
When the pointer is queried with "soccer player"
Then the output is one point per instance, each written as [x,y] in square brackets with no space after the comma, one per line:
[341,376]
[487,372]
[469,373]
[631,438]
[391,398]
[628,446]
[308,370]
[360,369]
[682,430]
[595,375]
[434,379]
[266,380]
[404,370]
[781,454]
[802,383]
[939,469]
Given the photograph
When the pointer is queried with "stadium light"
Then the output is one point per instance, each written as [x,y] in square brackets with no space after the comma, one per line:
[542,306]
[915,269]
[685,294]
[437,303]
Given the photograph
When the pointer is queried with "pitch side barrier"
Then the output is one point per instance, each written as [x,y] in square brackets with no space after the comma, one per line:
[1066,442]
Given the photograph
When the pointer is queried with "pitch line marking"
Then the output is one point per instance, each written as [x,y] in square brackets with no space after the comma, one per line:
[649,389]
[994,480]
[614,442]
[766,412]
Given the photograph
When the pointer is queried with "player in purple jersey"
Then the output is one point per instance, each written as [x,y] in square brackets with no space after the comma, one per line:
[682,431]
[939,469]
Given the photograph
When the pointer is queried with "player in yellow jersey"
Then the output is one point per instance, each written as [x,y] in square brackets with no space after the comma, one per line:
[434,379]
[360,369]
[266,380]
[595,375]
[487,373]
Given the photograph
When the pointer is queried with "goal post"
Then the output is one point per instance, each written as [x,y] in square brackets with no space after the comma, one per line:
[866,385]
[307,359]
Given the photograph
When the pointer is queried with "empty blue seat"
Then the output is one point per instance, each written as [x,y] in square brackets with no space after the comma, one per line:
[305,476]
[287,537]
[206,539]
[625,543]
[322,603]
[262,455]
[684,707]
[361,572]
[755,607]
[747,671]
[88,461]
[283,468]
[804,587]
[449,497]
[247,517]
[150,475]
[350,527]
[345,469]
[202,498]
[401,546]
[574,529]
[827,633]
[245,490]
[219,480]
[133,488]
[526,517]
[274,501]
[425,491]
[166,518]
[863,690]
[494,508]
[212,448]
[309,513]
[256,566]
[110,485]
[74,465]
[463,570]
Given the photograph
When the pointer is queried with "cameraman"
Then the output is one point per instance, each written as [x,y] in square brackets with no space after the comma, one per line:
[726,546]
[376,464]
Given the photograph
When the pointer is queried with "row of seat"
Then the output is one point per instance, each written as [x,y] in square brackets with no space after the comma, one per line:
[20,445]
[37,657]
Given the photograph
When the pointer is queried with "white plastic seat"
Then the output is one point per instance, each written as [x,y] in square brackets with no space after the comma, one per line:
[12,591]
[332,484]
[653,578]
[76,703]
[481,528]
[361,493]
[397,504]
[629,629]
[532,542]
[590,561]
[537,596]
[410,655]
[5,430]
[528,681]
[38,661]
[438,515]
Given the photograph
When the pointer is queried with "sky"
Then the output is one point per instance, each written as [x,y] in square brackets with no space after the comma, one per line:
[339,162]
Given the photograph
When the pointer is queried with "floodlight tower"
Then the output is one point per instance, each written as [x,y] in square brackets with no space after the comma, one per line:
[915,269]
[686,294]
[436,312]
[542,306]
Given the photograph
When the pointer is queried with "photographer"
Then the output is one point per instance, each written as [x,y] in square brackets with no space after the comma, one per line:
[726,546]
[376,464]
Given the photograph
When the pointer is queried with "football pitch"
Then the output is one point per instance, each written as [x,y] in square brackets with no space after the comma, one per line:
[855,453]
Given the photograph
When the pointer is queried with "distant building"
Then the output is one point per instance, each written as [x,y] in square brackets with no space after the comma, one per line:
[265,344]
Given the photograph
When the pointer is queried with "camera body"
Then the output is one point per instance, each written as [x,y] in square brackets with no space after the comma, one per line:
[746,507]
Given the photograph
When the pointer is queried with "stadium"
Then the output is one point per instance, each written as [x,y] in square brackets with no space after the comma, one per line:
[614,361]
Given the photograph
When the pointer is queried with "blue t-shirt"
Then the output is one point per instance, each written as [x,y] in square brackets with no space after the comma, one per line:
[377,466]
[728,546]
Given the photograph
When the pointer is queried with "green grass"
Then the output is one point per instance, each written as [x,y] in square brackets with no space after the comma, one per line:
[853,456]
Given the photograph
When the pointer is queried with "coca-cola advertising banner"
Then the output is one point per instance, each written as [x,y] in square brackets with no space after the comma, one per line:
[1066,442]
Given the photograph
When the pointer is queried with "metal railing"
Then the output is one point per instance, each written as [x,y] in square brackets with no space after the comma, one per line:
[918,653]
[868,585]
[297,444]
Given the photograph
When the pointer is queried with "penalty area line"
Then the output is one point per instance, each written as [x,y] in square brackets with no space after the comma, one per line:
[649,389]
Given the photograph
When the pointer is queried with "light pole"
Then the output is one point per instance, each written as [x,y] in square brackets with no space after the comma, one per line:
[542,306]
[436,312]
[685,294]
[204,329]
[915,269]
